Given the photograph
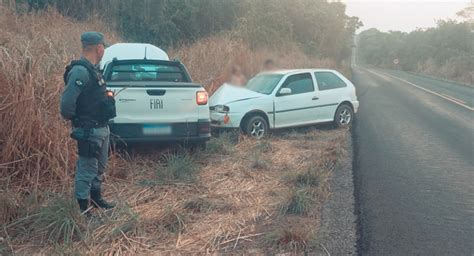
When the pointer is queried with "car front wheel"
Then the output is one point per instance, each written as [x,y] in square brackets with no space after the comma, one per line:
[344,116]
[256,127]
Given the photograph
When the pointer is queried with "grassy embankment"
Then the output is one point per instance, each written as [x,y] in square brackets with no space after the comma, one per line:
[238,194]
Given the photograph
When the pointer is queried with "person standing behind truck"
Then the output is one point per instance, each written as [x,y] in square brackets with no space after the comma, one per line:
[89,106]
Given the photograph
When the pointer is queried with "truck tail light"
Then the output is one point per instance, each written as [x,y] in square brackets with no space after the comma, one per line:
[201,98]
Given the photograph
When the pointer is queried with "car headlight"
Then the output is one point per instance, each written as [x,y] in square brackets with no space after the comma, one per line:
[221,108]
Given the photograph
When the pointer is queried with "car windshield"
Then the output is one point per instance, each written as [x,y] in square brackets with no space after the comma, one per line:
[146,72]
[264,83]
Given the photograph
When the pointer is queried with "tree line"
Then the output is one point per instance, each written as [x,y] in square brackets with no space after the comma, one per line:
[446,50]
[320,28]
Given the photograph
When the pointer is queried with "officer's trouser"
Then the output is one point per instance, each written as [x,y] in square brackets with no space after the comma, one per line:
[90,170]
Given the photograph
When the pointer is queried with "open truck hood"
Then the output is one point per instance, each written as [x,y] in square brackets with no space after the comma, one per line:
[229,93]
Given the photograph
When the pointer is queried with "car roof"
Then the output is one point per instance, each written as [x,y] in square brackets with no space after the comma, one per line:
[296,71]
[133,51]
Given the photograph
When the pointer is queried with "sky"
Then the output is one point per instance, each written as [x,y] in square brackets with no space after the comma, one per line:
[403,15]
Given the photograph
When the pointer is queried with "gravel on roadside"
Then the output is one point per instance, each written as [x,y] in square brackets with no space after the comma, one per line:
[337,234]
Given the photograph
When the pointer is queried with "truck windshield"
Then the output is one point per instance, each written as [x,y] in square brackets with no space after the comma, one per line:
[146,72]
[264,83]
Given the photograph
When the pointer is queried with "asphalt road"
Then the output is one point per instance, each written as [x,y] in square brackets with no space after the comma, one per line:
[413,165]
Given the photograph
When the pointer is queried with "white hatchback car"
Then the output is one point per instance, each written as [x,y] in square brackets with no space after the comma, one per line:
[285,98]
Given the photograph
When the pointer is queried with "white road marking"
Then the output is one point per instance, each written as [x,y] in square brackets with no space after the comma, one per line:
[446,97]
[456,99]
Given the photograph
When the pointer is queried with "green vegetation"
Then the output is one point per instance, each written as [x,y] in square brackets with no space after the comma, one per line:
[310,178]
[173,168]
[178,167]
[300,202]
[320,28]
[445,51]
[59,221]
[223,144]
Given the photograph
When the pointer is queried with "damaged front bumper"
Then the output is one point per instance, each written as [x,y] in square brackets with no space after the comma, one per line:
[225,120]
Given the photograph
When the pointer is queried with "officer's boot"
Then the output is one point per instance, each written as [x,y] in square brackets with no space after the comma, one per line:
[98,201]
[84,206]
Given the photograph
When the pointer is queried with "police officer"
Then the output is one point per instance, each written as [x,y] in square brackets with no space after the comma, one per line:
[89,106]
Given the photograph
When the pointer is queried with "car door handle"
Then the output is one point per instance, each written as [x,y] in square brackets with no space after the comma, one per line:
[315,98]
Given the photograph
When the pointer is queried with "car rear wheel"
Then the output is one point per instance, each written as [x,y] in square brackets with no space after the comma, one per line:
[344,116]
[256,127]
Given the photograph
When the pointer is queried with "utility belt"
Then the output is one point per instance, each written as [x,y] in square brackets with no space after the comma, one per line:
[86,146]
[88,124]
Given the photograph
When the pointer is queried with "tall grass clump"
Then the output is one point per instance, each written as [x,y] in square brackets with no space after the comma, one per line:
[57,221]
[299,203]
[35,147]
[223,144]
[178,167]
[60,221]
[314,176]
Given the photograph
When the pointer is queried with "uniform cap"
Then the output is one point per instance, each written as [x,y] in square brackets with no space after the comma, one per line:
[92,38]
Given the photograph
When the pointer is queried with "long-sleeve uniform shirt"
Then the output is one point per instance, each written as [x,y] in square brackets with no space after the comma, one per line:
[77,78]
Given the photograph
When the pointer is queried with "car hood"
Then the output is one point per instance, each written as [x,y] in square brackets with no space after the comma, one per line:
[229,93]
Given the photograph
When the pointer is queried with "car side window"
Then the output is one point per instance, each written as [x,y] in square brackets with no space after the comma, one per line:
[328,81]
[300,83]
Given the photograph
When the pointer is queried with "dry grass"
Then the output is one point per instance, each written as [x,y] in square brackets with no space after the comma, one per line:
[229,208]
[227,198]
[212,70]
[35,149]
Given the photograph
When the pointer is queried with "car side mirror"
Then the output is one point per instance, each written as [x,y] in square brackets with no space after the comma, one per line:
[284,91]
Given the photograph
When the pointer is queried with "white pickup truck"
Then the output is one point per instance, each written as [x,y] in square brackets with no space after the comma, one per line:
[156,99]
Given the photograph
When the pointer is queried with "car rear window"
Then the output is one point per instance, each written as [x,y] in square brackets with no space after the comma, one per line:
[146,72]
[329,81]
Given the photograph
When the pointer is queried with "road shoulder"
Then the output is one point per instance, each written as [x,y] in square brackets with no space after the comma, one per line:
[338,229]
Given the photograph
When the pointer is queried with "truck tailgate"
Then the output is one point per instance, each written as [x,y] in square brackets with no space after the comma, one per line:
[155,102]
